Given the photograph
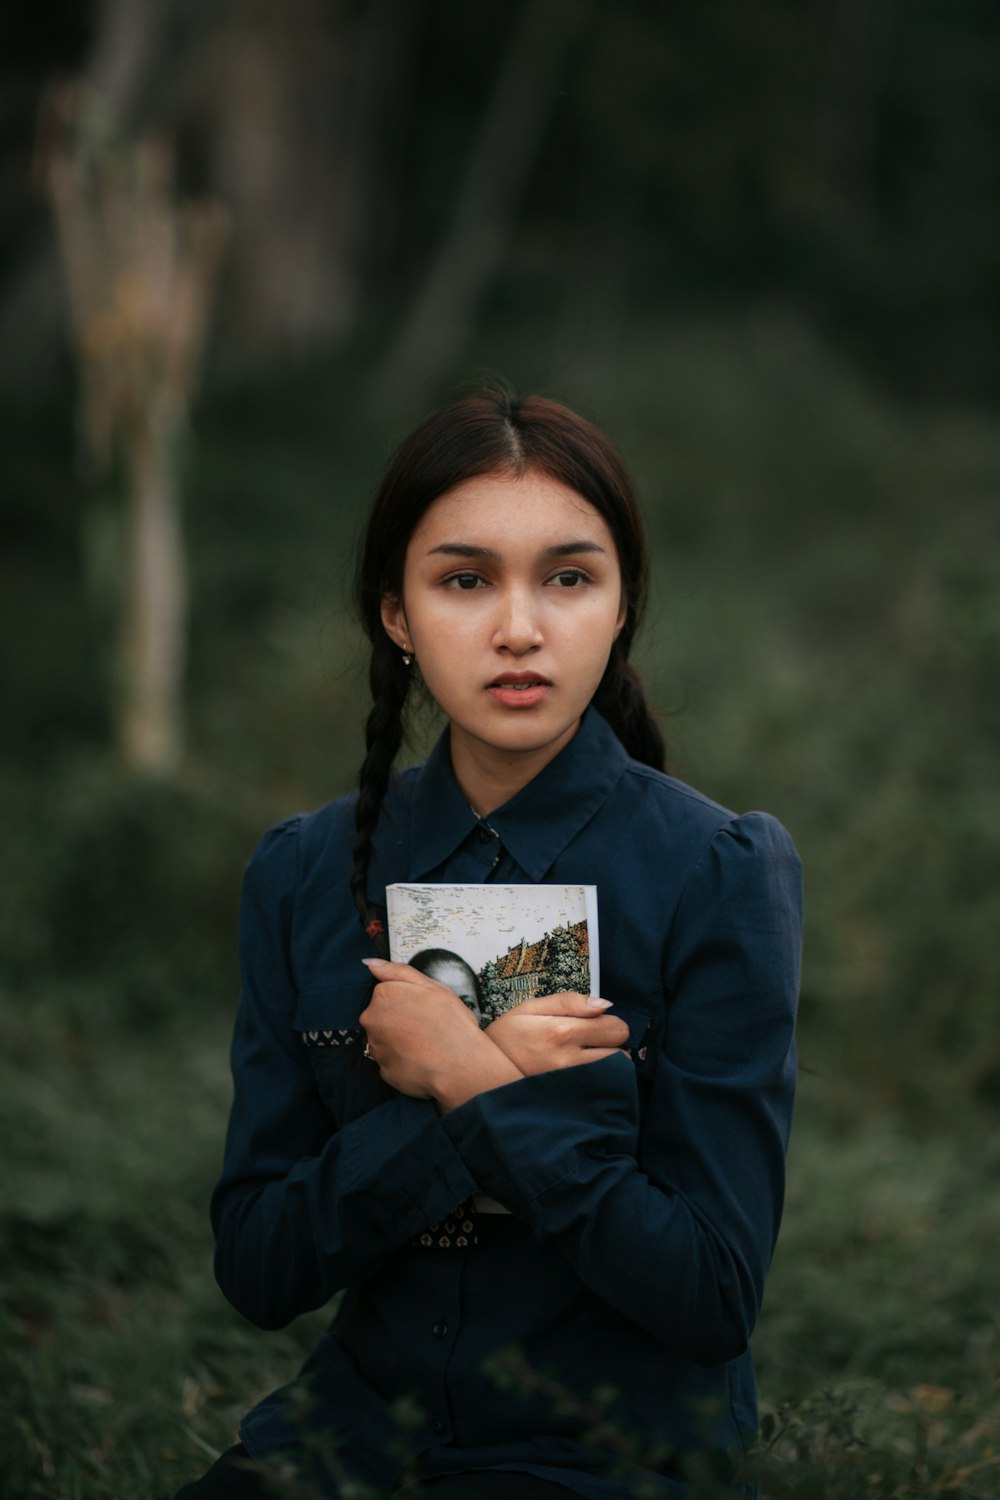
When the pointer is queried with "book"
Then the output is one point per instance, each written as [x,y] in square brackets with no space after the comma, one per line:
[496,945]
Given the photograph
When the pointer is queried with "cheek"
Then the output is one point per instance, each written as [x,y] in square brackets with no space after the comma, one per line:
[440,630]
[446,668]
[596,628]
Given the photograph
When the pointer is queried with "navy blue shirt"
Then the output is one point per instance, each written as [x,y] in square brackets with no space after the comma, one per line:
[599,1333]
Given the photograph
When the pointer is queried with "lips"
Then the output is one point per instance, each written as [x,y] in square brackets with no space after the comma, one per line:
[519,679]
[519,689]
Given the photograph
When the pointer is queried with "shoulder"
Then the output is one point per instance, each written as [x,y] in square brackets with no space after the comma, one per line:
[669,807]
[735,878]
[312,852]
[673,798]
[664,813]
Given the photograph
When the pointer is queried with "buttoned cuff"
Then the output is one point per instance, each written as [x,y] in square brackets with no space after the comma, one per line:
[540,1145]
[407,1172]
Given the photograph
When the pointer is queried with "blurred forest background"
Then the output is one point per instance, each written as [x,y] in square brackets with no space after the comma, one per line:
[242,247]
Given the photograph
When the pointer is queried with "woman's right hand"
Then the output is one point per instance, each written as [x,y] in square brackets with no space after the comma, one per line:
[425,1042]
[557,1031]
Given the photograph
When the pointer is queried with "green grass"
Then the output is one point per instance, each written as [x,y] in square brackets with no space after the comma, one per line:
[124,1370]
[124,1367]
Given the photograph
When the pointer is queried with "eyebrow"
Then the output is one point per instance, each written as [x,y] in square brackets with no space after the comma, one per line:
[467,549]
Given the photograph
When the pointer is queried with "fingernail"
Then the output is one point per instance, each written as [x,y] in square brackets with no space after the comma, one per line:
[597,1003]
[369,961]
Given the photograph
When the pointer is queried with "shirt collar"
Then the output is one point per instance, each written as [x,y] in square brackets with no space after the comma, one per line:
[538,822]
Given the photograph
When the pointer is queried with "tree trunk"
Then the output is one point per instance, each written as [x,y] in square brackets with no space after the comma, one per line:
[153,630]
[501,160]
[846,112]
[140,265]
[125,61]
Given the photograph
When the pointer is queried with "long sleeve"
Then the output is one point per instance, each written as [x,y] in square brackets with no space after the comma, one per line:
[302,1210]
[670,1213]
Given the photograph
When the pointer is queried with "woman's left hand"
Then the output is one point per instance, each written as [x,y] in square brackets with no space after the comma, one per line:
[425,1040]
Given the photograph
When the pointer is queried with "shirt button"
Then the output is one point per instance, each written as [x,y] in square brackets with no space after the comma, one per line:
[484,835]
[440,1329]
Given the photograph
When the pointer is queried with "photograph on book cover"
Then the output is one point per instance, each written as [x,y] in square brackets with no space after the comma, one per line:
[496,945]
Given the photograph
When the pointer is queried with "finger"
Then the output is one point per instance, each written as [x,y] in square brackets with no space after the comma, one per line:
[383,969]
[600,1031]
[590,1054]
[609,1031]
[566,1003]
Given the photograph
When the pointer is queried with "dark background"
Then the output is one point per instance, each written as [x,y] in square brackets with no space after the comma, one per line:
[760,245]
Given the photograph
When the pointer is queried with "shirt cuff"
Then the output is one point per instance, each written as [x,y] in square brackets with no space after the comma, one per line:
[408,1167]
[550,1134]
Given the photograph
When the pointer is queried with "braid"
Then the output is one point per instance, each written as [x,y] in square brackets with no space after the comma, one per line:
[620,698]
[389,682]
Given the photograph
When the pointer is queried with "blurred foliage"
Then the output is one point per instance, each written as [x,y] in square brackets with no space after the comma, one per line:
[824,641]
[837,155]
[123,1368]
[759,245]
[825,620]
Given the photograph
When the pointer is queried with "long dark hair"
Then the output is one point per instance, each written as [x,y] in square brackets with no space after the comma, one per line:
[489,434]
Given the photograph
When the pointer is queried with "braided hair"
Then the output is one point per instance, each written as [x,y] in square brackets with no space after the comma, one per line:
[493,433]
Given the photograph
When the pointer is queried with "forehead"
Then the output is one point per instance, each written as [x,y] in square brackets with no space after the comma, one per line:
[456,968]
[453,972]
[531,509]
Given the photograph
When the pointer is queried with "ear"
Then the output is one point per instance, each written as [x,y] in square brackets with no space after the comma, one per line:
[394,621]
[622,616]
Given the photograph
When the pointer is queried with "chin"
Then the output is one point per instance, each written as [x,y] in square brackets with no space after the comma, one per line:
[527,734]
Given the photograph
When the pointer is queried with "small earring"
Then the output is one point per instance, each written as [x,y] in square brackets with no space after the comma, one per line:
[407,658]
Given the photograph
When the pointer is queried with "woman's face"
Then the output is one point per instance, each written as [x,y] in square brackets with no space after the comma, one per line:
[512,599]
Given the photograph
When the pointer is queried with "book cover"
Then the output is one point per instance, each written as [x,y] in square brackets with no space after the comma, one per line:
[496,945]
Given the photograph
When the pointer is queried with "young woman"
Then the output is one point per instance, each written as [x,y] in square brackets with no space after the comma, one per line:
[592,1340]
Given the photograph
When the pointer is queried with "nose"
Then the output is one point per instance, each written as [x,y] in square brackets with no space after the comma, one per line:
[517,628]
